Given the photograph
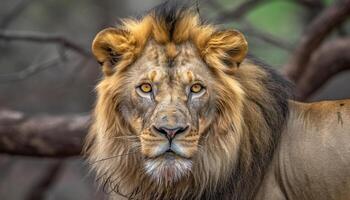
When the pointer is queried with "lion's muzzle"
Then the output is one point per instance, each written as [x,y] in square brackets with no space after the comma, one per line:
[170,132]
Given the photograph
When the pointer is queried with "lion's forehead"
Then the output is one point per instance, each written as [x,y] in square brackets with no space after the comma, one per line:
[162,53]
[185,67]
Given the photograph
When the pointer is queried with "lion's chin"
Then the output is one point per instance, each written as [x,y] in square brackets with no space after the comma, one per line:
[168,168]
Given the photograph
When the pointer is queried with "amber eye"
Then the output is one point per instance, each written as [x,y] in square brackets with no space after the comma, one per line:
[146,88]
[196,88]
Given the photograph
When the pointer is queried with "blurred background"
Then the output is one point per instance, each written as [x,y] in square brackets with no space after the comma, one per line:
[47,72]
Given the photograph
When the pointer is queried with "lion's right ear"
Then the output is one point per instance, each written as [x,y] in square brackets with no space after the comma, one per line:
[110,46]
[229,47]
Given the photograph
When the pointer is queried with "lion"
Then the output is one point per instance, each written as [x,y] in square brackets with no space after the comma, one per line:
[182,113]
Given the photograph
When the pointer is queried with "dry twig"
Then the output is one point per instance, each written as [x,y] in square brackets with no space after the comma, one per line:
[14,13]
[29,71]
[63,43]
[43,38]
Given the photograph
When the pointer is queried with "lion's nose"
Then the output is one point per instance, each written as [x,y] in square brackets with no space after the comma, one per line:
[170,133]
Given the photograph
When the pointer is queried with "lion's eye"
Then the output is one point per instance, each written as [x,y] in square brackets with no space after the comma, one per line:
[196,88]
[146,88]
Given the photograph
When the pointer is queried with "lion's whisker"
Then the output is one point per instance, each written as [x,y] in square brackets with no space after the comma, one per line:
[125,136]
[111,157]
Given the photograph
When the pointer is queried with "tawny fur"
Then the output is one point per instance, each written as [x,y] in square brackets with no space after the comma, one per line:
[251,113]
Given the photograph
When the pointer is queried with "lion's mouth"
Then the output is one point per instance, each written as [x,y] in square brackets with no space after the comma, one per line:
[168,155]
[170,151]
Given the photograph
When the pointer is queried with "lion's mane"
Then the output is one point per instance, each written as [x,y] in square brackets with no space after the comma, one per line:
[239,143]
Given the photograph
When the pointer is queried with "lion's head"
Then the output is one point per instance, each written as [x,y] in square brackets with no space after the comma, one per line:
[179,114]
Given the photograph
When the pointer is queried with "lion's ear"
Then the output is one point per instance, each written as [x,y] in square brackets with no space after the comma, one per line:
[229,46]
[109,47]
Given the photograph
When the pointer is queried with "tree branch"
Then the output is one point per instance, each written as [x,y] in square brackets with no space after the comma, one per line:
[32,69]
[40,38]
[313,37]
[48,177]
[239,11]
[238,14]
[311,4]
[42,136]
[43,38]
[17,10]
[249,29]
[332,58]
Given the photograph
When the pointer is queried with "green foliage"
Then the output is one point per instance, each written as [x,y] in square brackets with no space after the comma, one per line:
[282,20]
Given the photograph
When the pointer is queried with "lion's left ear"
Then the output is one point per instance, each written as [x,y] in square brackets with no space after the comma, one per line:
[229,46]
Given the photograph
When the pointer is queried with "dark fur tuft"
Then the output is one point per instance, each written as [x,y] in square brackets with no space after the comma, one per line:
[170,12]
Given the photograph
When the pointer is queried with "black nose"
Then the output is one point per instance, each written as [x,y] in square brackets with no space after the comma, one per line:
[170,133]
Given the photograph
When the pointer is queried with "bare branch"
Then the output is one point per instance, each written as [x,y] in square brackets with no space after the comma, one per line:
[40,38]
[43,38]
[47,179]
[248,29]
[332,58]
[42,136]
[17,10]
[29,71]
[311,4]
[239,11]
[316,32]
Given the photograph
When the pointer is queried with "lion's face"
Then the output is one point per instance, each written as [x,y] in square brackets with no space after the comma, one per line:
[171,106]
[168,105]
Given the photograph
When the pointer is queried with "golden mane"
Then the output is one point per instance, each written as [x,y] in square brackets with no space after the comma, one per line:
[252,109]
[168,27]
